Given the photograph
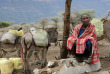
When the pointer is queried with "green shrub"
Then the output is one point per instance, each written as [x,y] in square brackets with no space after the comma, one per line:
[4,24]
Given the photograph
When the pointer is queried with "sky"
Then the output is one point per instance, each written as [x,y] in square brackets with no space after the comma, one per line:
[48,8]
[100,6]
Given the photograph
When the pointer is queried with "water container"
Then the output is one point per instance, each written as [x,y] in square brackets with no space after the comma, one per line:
[98,26]
[20,33]
[17,63]
[3,59]
[6,66]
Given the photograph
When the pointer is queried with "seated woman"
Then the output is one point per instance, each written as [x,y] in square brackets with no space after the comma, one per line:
[83,41]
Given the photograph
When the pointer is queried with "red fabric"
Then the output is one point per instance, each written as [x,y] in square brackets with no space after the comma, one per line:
[21,52]
[89,33]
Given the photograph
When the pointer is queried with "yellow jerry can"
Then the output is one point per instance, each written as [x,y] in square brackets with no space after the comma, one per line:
[17,63]
[3,59]
[6,66]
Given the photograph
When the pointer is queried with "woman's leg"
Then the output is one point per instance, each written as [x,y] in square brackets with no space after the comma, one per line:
[81,57]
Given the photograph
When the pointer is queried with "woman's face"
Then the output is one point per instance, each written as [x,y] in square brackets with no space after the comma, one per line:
[85,19]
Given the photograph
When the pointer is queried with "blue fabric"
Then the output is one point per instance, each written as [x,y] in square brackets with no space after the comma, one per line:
[88,42]
[50,26]
[80,32]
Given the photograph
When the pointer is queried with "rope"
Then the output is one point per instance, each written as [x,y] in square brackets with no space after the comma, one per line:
[21,52]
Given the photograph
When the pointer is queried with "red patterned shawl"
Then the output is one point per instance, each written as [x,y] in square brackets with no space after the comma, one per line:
[89,33]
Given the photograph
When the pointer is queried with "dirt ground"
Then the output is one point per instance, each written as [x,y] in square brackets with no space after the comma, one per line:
[104,52]
[54,51]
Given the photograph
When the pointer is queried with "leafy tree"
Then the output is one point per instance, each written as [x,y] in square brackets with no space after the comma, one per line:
[4,24]
[43,22]
[61,15]
[56,20]
[23,23]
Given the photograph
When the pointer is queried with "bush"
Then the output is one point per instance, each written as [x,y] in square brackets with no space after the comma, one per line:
[4,24]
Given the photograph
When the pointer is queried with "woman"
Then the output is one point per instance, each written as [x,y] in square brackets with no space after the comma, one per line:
[83,41]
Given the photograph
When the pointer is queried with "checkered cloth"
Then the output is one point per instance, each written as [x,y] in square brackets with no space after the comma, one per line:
[89,33]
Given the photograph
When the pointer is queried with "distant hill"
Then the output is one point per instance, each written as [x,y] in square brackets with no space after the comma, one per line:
[30,11]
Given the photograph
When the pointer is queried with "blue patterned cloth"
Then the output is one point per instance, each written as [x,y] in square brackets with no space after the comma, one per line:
[88,43]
